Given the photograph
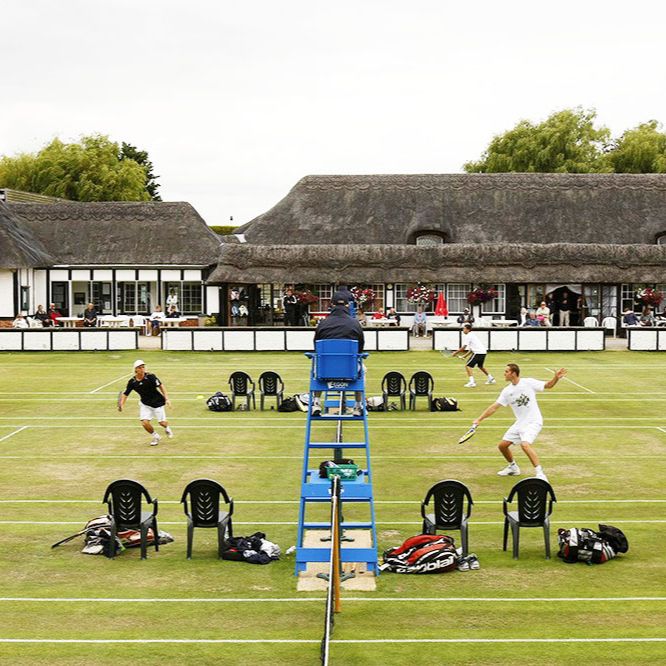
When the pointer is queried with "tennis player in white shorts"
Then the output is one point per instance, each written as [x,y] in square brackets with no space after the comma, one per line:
[521,395]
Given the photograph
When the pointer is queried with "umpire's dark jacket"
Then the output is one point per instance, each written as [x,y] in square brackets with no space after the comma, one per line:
[340,325]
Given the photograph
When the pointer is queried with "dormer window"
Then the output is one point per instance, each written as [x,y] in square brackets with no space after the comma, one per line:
[427,240]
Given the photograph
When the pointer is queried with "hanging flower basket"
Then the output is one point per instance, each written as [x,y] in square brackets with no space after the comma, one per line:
[649,296]
[306,297]
[364,296]
[421,294]
[481,295]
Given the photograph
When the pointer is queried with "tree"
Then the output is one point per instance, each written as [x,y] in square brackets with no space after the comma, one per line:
[639,150]
[130,152]
[93,169]
[566,142]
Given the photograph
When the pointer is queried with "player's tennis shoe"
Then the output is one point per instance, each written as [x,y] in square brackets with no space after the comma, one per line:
[155,440]
[470,385]
[316,409]
[357,411]
[491,380]
[169,432]
[463,564]
[473,562]
[541,475]
[510,470]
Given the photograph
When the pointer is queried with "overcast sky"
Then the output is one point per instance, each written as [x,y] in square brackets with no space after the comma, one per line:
[235,101]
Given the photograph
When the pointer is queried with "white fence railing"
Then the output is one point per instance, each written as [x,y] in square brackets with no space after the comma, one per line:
[271,339]
[59,339]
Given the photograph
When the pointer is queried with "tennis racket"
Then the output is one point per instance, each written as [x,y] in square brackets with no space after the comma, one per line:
[468,435]
[463,357]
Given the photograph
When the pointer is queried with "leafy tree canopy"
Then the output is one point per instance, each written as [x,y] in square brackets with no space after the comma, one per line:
[566,142]
[94,169]
[639,150]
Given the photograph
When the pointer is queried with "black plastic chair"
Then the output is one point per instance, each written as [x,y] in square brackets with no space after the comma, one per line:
[271,385]
[535,504]
[204,510]
[394,385]
[421,385]
[241,385]
[450,513]
[123,498]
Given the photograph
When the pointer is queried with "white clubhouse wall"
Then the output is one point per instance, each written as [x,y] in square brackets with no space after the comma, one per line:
[68,339]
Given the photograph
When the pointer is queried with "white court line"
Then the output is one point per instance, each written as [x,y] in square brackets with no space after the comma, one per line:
[11,434]
[99,388]
[300,641]
[263,600]
[662,429]
[571,381]
[219,421]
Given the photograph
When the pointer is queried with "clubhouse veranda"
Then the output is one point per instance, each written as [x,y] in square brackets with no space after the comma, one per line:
[600,237]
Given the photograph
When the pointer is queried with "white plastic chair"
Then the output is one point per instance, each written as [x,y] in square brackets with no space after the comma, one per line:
[590,322]
[139,320]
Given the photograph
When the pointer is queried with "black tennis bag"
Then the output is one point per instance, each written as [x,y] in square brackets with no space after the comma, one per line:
[422,554]
[444,405]
[581,544]
[219,402]
[289,405]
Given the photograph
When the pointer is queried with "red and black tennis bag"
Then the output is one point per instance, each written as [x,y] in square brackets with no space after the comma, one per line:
[581,544]
[422,554]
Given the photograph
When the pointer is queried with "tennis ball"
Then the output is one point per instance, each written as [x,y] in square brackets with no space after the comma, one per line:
[199,397]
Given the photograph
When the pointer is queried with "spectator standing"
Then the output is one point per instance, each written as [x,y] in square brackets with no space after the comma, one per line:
[339,325]
[172,299]
[565,309]
[90,316]
[290,305]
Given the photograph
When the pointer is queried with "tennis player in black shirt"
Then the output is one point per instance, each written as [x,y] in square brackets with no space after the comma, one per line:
[153,397]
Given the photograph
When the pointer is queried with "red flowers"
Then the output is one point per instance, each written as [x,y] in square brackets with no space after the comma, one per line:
[481,295]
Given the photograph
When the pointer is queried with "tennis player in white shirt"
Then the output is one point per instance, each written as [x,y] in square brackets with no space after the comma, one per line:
[471,343]
[521,395]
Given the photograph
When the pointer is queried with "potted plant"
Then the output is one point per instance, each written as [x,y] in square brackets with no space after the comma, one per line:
[421,294]
[364,296]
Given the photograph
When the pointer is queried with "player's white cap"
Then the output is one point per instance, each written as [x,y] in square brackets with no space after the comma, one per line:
[138,363]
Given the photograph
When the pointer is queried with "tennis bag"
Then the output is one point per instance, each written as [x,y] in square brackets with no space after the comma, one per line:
[375,404]
[219,403]
[581,544]
[422,554]
[289,405]
[444,405]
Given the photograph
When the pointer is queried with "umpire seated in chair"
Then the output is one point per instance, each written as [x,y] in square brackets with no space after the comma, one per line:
[339,325]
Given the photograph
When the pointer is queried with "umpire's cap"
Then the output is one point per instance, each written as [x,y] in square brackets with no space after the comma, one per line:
[340,298]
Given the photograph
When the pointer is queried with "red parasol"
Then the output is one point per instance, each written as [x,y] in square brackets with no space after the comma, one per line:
[442,310]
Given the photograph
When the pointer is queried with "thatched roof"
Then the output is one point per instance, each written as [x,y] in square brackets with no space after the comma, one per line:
[446,263]
[18,246]
[114,233]
[466,208]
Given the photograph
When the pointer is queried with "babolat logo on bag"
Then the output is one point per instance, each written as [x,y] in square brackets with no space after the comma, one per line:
[422,554]
[219,402]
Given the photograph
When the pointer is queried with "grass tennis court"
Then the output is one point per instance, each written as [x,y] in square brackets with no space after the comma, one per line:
[62,441]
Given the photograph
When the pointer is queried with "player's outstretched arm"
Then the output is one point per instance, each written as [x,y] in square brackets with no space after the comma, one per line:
[163,391]
[121,402]
[556,378]
[488,412]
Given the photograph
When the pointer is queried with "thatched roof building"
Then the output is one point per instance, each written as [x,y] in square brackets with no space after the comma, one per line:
[495,227]
[18,246]
[120,233]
